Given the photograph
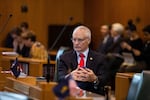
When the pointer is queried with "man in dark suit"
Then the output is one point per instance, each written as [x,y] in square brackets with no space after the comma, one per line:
[117,30]
[92,74]
[146,50]
[107,39]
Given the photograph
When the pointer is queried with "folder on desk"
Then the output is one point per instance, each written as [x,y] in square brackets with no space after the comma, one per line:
[128,58]
[10,53]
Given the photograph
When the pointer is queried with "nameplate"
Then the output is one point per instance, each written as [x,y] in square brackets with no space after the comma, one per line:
[22,88]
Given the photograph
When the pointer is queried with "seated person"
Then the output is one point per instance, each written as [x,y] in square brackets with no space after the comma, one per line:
[24,27]
[134,46]
[116,31]
[16,31]
[87,67]
[37,50]
[146,50]
[14,41]
[107,39]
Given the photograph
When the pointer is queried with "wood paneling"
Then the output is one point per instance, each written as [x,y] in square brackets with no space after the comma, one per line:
[98,12]
[41,13]
[122,85]
[93,13]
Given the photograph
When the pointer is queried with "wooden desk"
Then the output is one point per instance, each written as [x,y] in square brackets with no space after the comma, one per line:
[2,49]
[3,76]
[122,85]
[35,65]
[19,85]
[26,86]
[40,91]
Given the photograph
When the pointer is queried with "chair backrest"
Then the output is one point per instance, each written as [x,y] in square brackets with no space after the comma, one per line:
[134,87]
[143,92]
[140,87]
[59,53]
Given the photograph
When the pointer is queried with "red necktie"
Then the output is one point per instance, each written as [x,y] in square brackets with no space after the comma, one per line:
[81,63]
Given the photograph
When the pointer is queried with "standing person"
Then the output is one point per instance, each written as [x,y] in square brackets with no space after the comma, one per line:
[87,67]
[37,50]
[107,39]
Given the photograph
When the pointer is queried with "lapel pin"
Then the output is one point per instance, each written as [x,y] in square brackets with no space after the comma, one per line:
[91,58]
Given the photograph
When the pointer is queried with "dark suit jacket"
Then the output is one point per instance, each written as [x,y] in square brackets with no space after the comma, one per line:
[95,62]
[146,54]
[103,47]
[116,46]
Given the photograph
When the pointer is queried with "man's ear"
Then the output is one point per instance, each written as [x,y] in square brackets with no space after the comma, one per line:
[89,41]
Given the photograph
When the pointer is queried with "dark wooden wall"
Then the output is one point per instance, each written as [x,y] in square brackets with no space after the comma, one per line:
[41,13]
[98,12]
[92,13]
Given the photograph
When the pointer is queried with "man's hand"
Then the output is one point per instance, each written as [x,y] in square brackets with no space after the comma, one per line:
[92,77]
[83,74]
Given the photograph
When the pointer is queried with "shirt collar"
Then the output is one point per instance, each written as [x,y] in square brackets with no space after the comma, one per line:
[116,38]
[85,52]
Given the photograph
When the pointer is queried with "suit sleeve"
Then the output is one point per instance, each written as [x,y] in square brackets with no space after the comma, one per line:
[103,72]
[62,68]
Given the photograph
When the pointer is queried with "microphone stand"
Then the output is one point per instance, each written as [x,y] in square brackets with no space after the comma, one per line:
[5,24]
[53,45]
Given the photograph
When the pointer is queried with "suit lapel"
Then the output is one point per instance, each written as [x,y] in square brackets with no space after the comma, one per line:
[73,58]
[90,60]
[89,63]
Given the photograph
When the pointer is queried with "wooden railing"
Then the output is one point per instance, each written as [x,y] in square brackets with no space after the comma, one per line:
[40,91]
[122,85]
[35,66]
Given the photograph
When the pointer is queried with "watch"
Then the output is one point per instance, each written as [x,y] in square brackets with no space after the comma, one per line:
[96,81]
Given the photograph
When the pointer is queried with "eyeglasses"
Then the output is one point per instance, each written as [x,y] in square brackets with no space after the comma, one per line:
[78,39]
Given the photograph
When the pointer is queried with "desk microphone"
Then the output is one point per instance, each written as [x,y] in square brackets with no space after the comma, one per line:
[53,45]
[5,24]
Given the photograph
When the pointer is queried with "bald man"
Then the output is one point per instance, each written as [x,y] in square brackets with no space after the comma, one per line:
[94,74]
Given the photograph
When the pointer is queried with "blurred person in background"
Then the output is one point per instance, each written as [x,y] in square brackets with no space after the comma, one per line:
[14,40]
[107,39]
[37,50]
[16,31]
[24,27]
[117,31]
[146,50]
[134,46]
